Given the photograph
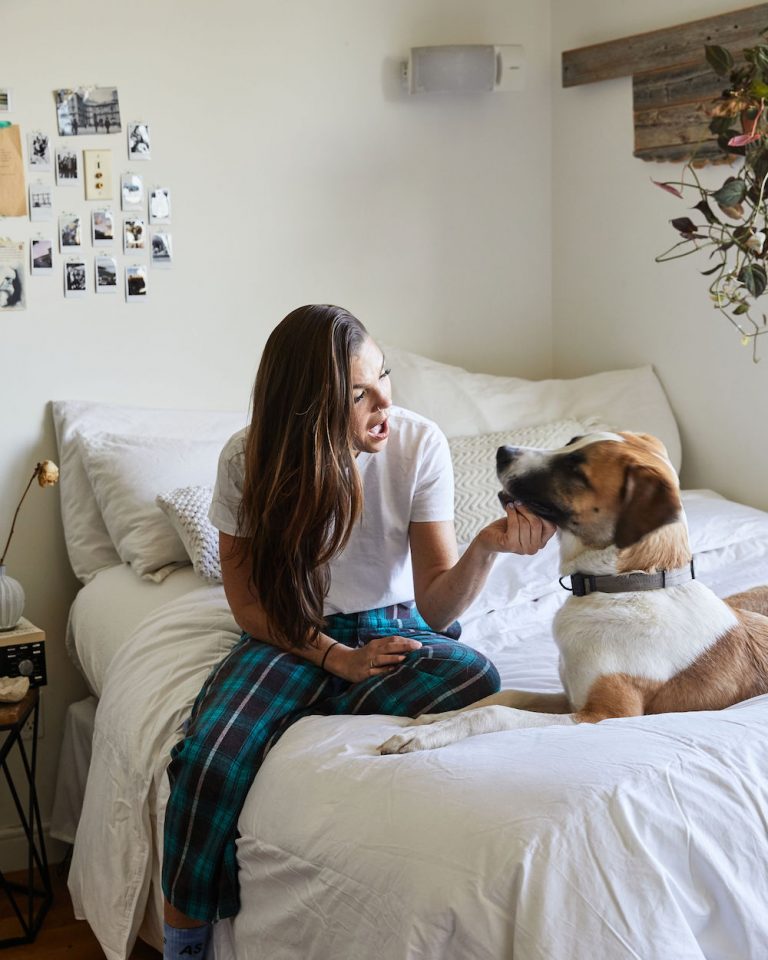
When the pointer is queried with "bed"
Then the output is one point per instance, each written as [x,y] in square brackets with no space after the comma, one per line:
[642,838]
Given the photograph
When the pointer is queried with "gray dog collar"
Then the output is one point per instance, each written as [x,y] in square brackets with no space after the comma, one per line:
[582,584]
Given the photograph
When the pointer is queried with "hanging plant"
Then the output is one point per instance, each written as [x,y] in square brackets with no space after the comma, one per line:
[731,223]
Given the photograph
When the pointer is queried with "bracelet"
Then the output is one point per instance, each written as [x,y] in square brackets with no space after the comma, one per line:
[327,651]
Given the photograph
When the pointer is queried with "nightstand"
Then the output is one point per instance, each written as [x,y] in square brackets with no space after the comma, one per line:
[22,653]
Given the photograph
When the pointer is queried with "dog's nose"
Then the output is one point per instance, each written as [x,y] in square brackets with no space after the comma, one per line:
[505,456]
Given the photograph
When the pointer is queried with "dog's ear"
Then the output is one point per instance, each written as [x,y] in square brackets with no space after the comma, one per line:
[649,501]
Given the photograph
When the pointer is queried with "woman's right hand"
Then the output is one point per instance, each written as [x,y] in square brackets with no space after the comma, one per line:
[378,656]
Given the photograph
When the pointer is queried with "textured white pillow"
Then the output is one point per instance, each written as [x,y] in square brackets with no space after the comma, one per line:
[463,403]
[89,544]
[125,473]
[187,510]
[474,468]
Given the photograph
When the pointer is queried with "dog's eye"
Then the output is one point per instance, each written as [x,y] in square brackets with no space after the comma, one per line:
[572,466]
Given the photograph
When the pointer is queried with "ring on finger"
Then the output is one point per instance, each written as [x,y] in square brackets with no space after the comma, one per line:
[373,665]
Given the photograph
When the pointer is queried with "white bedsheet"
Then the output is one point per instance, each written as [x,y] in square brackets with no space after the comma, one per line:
[642,838]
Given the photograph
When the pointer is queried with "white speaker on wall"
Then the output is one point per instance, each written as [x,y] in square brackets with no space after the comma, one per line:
[465,68]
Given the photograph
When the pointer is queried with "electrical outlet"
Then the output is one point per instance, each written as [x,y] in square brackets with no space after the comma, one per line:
[28,729]
[98,174]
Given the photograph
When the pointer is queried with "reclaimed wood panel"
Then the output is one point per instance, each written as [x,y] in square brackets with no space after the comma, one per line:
[664,48]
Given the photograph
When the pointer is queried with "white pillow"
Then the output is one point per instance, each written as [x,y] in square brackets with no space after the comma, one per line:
[88,542]
[125,473]
[476,502]
[463,403]
[187,510]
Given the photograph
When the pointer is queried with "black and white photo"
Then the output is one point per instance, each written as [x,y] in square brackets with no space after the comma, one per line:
[74,278]
[138,142]
[70,232]
[105,274]
[67,167]
[88,110]
[160,205]
[5,100]
[135,282]
[41,256]
[132,191]
[39,151]
[13,281]
[160,249]
[40,201]
[102,228]
[134,234]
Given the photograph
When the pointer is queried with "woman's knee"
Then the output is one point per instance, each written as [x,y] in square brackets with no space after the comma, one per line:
[462,665]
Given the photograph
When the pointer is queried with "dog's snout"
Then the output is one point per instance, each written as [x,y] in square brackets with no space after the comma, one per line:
[505,456]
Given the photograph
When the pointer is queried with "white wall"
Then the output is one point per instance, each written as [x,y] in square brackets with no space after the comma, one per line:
[613,306]
[299,173]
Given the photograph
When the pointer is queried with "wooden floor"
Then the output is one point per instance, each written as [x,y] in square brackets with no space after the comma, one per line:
[61,936]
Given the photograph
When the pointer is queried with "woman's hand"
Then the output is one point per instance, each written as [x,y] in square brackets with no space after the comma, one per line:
[379,656]
[519,532]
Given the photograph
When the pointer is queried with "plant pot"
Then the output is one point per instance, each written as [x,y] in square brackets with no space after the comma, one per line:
[11,601]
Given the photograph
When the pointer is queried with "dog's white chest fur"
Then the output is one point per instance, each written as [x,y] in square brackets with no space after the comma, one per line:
[653,634]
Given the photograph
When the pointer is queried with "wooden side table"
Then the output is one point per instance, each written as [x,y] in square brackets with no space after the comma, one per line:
[29,901]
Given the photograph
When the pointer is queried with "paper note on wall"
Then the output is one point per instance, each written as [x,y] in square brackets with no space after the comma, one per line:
[13,192]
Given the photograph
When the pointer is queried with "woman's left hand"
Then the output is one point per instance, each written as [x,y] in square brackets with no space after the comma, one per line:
[519,532]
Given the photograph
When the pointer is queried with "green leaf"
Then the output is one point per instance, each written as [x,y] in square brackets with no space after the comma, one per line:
[732,192]
[719,59]
[742,308]
[754,278]
[708,273]
[706,211]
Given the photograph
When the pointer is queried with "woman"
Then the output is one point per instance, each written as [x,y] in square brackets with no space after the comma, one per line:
[335,511]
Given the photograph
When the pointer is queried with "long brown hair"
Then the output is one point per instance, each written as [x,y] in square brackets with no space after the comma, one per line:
[302,491]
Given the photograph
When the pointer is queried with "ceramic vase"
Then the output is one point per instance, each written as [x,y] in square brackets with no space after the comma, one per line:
[11,601]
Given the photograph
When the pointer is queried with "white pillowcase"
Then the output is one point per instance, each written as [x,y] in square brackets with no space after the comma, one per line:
[463,403]
[89,544]
[125,473]
[187,510]
[476,502]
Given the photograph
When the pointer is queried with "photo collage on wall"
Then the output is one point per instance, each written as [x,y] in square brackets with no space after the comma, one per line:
[107,224]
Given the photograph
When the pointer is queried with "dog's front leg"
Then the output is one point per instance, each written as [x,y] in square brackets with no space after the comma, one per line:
[428,735]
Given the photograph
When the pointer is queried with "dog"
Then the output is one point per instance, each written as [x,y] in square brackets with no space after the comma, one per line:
[639,633]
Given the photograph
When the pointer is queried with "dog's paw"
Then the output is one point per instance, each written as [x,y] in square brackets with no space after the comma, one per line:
[422,735]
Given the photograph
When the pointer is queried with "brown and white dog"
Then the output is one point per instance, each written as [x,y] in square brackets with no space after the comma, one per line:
[639,634]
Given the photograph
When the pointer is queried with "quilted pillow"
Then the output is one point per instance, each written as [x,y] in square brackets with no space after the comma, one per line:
[187,509]
[474,467]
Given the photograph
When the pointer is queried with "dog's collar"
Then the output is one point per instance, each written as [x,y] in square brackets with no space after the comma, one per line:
[582,584]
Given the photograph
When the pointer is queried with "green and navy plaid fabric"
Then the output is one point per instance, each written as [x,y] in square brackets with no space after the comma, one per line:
[250,698]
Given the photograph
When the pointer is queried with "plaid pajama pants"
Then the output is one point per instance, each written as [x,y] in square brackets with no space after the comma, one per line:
[250,698]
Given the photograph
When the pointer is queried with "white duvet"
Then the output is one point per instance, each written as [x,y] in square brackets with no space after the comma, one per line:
[637,838]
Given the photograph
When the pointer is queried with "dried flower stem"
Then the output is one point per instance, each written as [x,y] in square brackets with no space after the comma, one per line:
[13,522]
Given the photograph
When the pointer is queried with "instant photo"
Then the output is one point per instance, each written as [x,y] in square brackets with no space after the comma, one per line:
[70,232]
[138,141]
[160,205]
[74,278]
[41,256]
[5,100]
[132,191]
[40,202]
[135,282]
[39,151]
[13,281]
[102,228]
[134,234]
[67,168]
[160,247]
[105,274]
[87,110]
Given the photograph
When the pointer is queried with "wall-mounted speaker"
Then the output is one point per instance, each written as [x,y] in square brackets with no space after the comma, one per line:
[465,68]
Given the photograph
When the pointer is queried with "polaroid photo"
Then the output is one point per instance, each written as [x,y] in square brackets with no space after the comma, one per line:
[160,247]
[70,233]
[105,274]
[102,228]
[160,205]
[6,100]
[74,278]
[132,191]
[13,279]
[40,201]
[67,168]
[87,110]
[41,256]
[134,234]
[39,151]
[138,142]
[135,282]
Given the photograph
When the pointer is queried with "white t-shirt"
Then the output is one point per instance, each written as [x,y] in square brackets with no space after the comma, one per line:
[411,479]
